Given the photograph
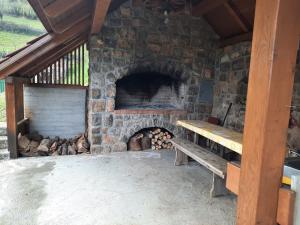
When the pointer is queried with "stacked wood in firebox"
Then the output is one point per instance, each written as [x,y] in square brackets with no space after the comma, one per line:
[36,145]
[160,139]
[155,139]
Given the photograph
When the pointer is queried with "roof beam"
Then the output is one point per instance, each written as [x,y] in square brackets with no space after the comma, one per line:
[236,39]
[237,17]
[101,9]
[205,6]
[59,7]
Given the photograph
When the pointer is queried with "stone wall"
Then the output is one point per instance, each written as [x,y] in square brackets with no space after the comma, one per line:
[137,40]
[231,76]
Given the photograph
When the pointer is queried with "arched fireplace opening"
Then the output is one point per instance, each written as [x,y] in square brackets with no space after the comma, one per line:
[148,90]
[154,138]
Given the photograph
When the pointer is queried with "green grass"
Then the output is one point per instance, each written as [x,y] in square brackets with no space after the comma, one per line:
[2,108]
[35,24]
[10,42]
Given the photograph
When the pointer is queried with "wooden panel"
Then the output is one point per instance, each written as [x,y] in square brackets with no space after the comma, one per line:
[206,6]
[206,158]
[271,78]
[14,112]
[286,199]
[59,7]
[228,138]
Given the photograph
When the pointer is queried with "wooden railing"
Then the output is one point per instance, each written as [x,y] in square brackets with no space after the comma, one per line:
[68,70]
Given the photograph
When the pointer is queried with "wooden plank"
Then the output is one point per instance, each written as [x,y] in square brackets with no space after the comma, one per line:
[223,136]
[14,112]
[101,9]
[286,204]
[206,158]
[237,17]
[236,39]
[286,199]
[58,7]
[271,79]
[205,6]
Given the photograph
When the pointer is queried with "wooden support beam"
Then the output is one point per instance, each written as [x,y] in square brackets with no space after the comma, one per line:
[271,78]
[14,112]
[205,6]
[237,17]
[236,39]
[59,7]
[101,8]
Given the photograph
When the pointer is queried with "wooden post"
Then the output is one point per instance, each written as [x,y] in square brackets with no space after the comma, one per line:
[274,50]
[14,112]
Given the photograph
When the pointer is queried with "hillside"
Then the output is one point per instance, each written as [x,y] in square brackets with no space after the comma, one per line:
[18,25]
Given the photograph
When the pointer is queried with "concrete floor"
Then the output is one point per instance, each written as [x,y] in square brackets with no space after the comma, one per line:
[131,188]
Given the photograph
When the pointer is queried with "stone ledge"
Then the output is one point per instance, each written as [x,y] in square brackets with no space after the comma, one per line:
[151,111]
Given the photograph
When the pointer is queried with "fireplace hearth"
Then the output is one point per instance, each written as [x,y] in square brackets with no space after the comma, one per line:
[148,91]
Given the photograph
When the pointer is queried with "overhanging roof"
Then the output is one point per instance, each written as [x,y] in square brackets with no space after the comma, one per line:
[69,24]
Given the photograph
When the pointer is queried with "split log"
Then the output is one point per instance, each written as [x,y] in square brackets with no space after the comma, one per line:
[43,148]
[146,143]
[71,150]
[135,143]
[82,144]
[23,142]
[64,149]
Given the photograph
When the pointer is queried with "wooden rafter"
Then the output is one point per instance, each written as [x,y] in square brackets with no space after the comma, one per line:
[205,6]
[59,7]
[101,9]
[236,39]
[237,17]
[271,78]
[39,10]
[72,20]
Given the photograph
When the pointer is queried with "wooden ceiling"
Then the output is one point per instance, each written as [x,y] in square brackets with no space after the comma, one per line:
[70,23]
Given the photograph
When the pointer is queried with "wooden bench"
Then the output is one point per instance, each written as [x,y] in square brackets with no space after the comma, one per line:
[211,161]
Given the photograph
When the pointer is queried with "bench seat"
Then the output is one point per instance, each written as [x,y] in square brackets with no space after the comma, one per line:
[208,159]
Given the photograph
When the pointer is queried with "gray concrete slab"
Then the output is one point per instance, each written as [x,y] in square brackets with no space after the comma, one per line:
[131,188]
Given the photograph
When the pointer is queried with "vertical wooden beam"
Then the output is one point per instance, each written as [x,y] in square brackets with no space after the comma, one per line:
[14,112]
[274,49]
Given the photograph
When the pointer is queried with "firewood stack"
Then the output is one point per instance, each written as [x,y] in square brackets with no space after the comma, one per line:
[155,139]
[160,139]
[36,145]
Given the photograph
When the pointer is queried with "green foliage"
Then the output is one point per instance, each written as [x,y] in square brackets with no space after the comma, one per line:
[22,21]
[19,29]
[20,8]
[10,42]
[2,108]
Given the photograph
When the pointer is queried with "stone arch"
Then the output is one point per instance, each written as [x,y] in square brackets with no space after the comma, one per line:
[137,126]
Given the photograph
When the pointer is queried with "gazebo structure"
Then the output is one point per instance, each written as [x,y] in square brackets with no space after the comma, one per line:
[182,39]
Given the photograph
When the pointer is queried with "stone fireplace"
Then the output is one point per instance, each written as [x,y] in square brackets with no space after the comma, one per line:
[149,90]
[146,73]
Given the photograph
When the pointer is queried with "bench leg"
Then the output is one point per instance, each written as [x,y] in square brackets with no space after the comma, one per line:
[181,158]
[218,187]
